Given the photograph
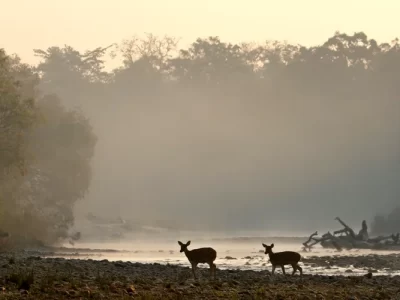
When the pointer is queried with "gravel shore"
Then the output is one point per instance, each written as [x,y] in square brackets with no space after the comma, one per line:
[24,276]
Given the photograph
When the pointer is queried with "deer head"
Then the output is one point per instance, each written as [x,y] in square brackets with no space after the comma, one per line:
[268,249]
[183,246]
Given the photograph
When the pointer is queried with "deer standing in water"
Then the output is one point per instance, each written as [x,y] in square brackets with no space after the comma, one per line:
[283,258]
[200,256]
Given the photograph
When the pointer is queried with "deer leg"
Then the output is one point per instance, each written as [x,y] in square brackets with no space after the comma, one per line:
[215,270]
[294,266]
[211,268]
[300,270]
[273,270]
[194,267]
[283,269]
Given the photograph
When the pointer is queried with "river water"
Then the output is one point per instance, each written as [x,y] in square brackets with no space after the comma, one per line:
[243,255]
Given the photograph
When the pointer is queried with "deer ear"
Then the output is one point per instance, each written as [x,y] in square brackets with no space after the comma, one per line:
[272,245]
[265,246]
[180,243]
[188,243]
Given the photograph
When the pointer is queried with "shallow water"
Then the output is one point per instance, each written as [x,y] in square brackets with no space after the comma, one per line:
[243,256]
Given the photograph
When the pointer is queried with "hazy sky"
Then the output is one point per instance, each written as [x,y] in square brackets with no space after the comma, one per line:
[27,24]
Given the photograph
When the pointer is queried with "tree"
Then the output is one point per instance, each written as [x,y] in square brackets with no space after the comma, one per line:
[154,49]
[63,147]
[279,124]
[18,115]
[50,147]
[211,62]
[71,75]
[389,224]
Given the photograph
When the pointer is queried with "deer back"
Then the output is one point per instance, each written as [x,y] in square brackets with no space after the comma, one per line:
[202,255]
[284,258]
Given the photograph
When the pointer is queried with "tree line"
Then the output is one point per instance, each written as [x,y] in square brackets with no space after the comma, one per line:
[48,143]
[45,157]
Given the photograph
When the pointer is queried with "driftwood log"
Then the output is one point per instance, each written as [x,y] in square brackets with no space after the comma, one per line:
[346,238]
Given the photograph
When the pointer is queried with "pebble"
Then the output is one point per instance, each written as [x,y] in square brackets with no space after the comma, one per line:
[103,279]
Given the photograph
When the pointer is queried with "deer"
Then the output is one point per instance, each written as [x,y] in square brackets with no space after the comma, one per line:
[200,256]
[283,258]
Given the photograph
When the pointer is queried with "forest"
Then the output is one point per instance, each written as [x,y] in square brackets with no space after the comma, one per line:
[52,114]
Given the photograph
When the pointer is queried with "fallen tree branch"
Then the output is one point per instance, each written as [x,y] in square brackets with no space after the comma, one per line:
[350,240]
[349,229]
[344,230]
[379,239]
[305,244]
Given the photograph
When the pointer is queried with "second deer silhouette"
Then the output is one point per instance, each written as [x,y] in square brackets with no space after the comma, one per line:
[200,256]
[283,258]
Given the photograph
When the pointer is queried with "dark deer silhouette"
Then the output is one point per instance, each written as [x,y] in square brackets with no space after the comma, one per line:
[283,258]
[200,256]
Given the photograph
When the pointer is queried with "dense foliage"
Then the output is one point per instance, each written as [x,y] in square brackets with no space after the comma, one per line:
[45,157]
[383,225]
[244,89]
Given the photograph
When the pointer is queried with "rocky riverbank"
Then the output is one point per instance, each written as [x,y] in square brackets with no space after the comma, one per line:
[32,277]
[388,262]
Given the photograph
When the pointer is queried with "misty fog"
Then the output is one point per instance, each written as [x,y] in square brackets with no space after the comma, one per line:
[233,156]
[215,137]
[231,169]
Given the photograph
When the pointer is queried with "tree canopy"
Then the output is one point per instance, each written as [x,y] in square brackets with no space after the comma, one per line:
[232,125]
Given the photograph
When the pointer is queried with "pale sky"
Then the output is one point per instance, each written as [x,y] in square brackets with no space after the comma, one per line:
[86,24]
